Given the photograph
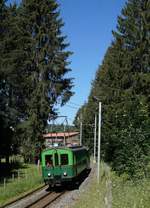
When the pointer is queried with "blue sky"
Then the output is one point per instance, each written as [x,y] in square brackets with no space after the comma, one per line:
[88,26]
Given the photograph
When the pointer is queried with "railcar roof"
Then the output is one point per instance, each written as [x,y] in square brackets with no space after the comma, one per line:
[72,148]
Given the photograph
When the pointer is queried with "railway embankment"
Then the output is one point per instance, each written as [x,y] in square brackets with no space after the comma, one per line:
[20,182]
[113,191]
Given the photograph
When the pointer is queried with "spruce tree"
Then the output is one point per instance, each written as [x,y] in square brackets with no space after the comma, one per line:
[48,65]
[33,65]
[122,83]
[8,111]
[3,14]
[133,27]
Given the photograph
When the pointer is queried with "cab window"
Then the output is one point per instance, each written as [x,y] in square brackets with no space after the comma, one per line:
[49,160]
[64,159]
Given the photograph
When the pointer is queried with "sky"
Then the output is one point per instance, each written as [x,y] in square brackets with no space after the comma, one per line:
[88,27]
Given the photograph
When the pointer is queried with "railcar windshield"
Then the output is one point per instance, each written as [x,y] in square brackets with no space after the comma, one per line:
[49,160]
[64,159]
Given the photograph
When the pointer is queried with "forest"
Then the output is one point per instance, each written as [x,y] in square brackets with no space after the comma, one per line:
[122,85]
[33,67]
[34,62]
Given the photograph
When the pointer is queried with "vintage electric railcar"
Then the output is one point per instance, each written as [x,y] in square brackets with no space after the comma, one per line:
[64,164]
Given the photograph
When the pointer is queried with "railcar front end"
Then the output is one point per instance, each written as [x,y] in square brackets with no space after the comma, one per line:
[62,165]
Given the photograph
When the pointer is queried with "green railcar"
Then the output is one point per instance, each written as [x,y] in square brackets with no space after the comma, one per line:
[64,164]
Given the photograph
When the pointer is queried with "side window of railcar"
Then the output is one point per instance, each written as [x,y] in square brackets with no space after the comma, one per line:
[64,159]
[49,160]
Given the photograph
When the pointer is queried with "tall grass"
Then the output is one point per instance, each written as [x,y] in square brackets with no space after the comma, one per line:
[94,196]
[27,179]
[127,193]
[115,192]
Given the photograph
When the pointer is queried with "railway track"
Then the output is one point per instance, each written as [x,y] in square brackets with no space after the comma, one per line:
[46,200]
[43,187]
[37,199]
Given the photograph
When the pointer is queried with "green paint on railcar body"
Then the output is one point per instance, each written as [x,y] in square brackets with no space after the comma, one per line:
[66,164]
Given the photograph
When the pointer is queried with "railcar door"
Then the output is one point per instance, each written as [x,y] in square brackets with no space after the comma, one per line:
[65,167]
[56,162]
[57,167]
[48,168]
[61,164]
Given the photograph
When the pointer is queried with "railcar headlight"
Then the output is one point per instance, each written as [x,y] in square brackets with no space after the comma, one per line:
[65,174]
[49,174]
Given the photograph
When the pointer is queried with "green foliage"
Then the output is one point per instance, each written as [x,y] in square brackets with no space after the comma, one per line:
[85,114]
[29,179]
[122,84]
[48,64]
[93,192]
[33,68]
[9,90]
[114,191]
[128,194]
[60,128]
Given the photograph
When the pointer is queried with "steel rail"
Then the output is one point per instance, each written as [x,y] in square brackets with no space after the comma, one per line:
[46,200]
[23,196]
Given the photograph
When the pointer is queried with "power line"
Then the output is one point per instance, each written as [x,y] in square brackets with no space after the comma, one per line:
[73,107]
[74,103]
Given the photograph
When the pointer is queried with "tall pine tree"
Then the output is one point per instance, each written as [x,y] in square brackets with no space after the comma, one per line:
[47,67]
[33,68]
[8,85]
[122,83]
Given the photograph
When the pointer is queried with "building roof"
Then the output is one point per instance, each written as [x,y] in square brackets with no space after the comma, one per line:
[60,134]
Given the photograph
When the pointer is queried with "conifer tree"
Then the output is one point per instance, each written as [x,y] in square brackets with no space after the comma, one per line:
[48,66]
[122,83]
[3,12]
[12,77]
[33,65]
[132,109]
[8,111]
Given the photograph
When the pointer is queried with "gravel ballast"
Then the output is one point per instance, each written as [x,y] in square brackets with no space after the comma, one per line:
[69,199]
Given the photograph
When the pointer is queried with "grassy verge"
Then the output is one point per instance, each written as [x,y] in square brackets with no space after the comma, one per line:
[27,179]
[115,192]
[128,194]
[94,196]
